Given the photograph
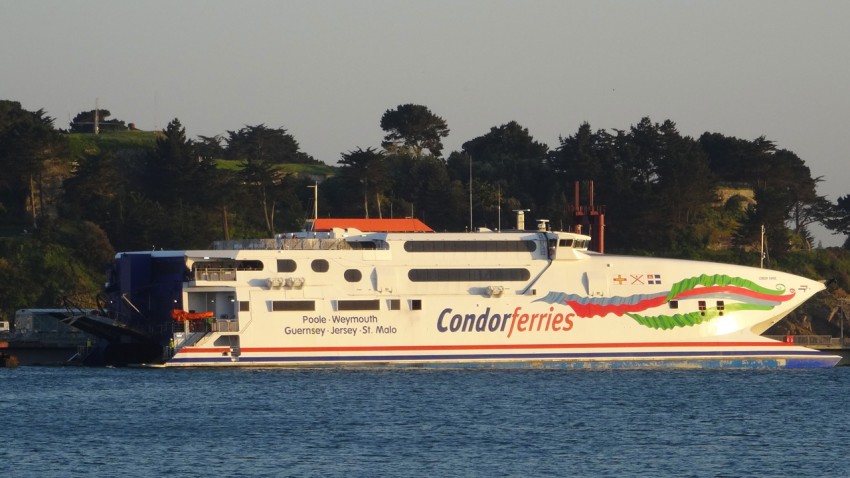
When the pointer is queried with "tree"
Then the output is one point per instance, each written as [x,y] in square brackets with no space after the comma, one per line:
[85,122]
[656,184]
[507,158]
[261,177]
[209,148]
[584,156]
[261,143]
[683,193]
[35,273]
[429,191]
[366,168]
[96,193]
[175,172]
[685,185]
[785,194]
[412,129]
[33,159]
[839,218]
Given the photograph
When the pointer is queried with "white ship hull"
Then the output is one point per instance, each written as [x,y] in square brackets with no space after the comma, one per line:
[480,299]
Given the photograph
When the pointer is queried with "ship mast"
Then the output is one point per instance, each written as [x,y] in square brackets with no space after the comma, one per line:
[315,188]
[315,201]
[470,192]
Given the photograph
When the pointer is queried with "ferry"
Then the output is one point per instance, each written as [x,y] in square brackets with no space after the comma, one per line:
[350,293]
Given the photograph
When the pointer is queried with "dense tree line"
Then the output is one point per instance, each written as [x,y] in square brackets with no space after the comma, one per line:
[89,121]
[660,188]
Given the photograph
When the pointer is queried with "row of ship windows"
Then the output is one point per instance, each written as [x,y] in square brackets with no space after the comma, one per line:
[395,304]
[423,275]
[414,275]
[321,265]
[348,305]
[702,306]
[470,246]
[577,243]
[209,271]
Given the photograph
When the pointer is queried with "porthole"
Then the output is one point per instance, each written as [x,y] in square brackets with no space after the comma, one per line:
[319,265]
[353,275]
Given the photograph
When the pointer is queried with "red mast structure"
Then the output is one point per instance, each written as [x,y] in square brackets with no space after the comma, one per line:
[589,216]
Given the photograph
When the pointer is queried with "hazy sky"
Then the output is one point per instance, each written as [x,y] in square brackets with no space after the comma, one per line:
[327,70]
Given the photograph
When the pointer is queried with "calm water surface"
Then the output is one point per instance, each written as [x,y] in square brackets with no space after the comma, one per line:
[60,422]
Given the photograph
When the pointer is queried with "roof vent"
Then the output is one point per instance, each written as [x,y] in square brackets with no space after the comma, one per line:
[520,218]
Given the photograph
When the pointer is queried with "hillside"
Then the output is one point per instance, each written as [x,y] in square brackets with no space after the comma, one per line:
[111,141]
[133,143]
[663,194]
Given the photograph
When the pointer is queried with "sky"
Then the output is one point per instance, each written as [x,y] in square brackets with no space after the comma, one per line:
[327,70]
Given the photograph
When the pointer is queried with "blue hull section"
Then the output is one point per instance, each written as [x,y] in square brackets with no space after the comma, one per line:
[754,360]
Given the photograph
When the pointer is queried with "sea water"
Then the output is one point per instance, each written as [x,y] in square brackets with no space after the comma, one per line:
[64,422]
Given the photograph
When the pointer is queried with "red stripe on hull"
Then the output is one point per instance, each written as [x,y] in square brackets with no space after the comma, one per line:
[421,348]
[733,290]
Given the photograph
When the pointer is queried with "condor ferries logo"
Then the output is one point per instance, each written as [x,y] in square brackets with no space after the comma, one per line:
[731,295]
[513,322]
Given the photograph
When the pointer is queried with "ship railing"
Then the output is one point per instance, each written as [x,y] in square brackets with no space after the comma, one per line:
[807,340]
[187,339]
[215,274]
[225,325]
[288,243]
[313,244]
[80,355]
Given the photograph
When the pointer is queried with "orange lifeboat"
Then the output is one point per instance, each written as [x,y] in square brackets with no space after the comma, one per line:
[182,315]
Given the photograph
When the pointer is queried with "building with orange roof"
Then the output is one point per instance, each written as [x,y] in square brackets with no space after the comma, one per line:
[369,225]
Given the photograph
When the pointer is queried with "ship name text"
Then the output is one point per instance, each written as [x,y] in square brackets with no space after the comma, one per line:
[517,321]
[342,325]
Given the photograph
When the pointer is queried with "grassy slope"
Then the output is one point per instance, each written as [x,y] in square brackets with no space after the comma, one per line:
[111,141]
[300,168]
[83,143]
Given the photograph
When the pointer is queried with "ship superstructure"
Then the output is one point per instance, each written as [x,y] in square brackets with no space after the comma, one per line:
[524,297]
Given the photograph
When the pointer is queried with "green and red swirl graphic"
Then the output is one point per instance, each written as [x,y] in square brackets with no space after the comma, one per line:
[746,294]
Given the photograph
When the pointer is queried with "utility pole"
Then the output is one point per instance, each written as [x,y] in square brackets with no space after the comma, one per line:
[499,207]
[315,188]
[96,117]
[316,201]
[470,192]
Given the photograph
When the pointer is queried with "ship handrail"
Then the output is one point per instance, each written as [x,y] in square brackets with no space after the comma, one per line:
[215,273]
[289,243]
[805,339]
